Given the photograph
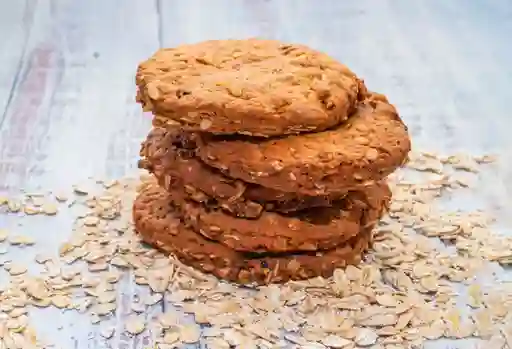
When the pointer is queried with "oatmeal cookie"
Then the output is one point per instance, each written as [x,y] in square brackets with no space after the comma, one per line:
[311,229]
[253,87]
[372,144]
[156,221]
[170,155]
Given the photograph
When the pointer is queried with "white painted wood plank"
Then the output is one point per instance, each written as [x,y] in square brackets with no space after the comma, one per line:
[15,25]
[73,116]
[196,20]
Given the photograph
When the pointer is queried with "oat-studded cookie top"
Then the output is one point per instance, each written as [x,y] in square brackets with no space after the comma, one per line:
[368,147]
[254,87]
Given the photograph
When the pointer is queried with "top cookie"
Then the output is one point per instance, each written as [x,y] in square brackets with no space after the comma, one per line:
[368,147]
[253,87]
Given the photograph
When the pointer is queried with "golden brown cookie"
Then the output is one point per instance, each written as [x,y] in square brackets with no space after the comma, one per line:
[368,147]
[253,87]
[312,229]
[170,155]
[159,225]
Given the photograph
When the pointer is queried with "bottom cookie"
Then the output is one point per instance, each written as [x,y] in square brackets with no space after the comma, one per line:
[159,225]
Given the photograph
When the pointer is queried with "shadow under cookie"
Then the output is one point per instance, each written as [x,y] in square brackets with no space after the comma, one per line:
[170,155]
[307,230]
[159,225]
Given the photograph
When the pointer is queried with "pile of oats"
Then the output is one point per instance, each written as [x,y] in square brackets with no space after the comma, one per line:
[433,273]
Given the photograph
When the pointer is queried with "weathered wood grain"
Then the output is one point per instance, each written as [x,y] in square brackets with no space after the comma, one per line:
[66,89]
[15,25]
[72,116]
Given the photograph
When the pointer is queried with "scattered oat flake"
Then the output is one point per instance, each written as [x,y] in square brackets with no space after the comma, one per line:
[80,190]
[365,337]
[108,332]
[4,234]
[3,200]
[91,221]
[119,262]
[17,269]
[37,200]
[17,312]
[31,210]
[107,297]
[14,205]
[171,337]
[190,334]
[61,197]
[475,296]
[95,267]
[485,159]
[333,341]
[61,301]
[111,183]
[167,320]
[21,240]
[138,307]
[135,325]
[41,259]
[103,308]
[49,209]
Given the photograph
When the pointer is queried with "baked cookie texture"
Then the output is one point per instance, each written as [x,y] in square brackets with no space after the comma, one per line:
[311,229]
[372,144]
[158,223]
[169,153]
[253,87]
[270,160]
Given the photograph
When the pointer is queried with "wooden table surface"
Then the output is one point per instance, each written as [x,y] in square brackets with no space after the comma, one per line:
[67,109]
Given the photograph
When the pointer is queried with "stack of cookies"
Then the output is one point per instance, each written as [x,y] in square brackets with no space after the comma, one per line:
[270,159]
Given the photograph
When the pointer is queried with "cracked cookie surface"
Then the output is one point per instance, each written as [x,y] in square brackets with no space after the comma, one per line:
[170,155]
[156,221]
[372,144]
[307,230]
[253,87]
